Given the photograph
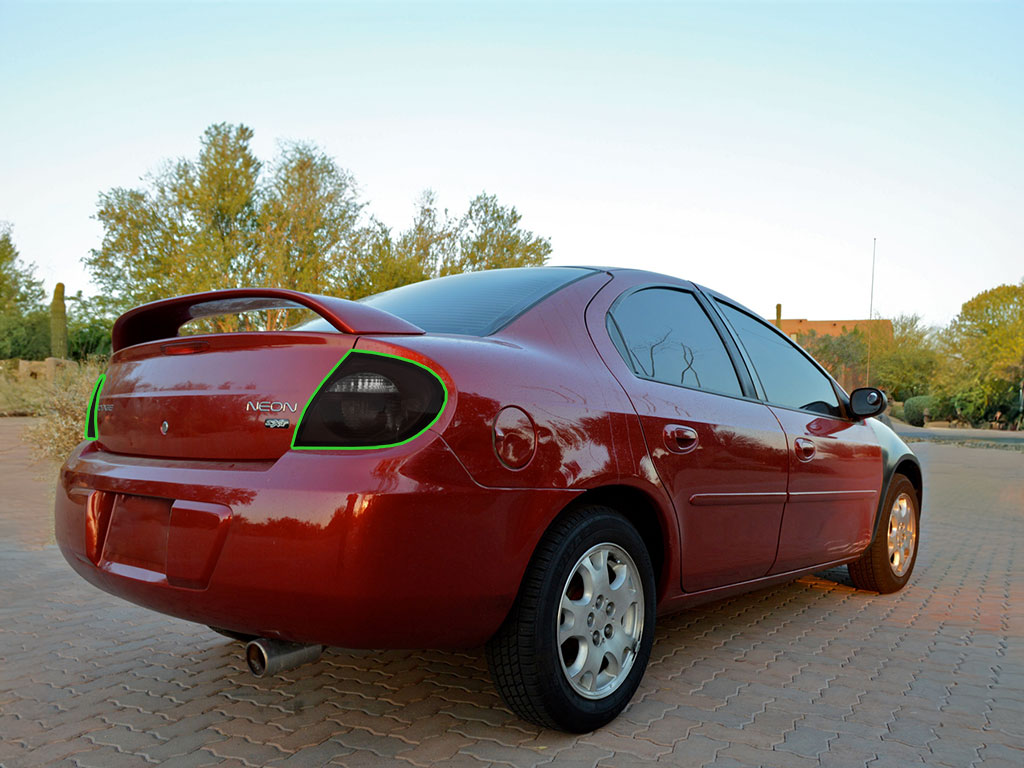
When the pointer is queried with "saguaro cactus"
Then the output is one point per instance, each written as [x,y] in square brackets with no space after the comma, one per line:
[58,324]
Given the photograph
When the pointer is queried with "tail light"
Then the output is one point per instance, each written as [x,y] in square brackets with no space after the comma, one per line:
[91,428]
[371,400]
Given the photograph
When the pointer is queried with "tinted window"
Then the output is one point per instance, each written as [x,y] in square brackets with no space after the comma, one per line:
[788,377]
[473,303]
[666,336]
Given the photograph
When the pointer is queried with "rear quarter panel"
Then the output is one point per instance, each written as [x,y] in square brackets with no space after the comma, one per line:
[545,364]
[588,436]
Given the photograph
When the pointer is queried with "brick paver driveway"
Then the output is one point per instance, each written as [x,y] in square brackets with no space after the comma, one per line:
[813,673]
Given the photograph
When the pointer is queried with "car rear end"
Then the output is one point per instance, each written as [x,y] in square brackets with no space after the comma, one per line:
[292,484]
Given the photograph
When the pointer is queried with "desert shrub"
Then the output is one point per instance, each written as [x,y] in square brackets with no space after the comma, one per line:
[914,409]
[62,414]
[26,397]
[896,411]
[972,404]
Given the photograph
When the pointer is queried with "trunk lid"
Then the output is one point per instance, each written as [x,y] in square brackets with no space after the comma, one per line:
[232,396]
[235,396]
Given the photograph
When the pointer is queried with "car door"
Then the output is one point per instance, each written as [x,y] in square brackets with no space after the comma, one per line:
[835,462]
[720,453]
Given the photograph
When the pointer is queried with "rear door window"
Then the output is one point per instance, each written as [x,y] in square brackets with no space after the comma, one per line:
[663,334]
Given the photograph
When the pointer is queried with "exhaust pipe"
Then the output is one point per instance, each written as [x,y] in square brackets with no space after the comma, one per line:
[268,657]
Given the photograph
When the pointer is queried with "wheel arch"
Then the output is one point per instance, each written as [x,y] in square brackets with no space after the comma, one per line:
[645,514]
[910,469]
[897,459]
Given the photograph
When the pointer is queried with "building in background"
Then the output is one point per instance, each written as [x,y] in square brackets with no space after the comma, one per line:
[842,346]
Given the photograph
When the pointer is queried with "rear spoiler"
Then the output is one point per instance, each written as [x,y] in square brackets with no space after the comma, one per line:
[162,319]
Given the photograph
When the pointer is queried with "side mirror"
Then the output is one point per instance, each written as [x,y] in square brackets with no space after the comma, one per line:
[866,402]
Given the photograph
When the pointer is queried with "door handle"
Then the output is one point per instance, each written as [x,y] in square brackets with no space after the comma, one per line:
[680,439]
[804,448]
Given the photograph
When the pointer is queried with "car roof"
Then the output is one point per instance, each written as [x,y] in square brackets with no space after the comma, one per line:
[660,277]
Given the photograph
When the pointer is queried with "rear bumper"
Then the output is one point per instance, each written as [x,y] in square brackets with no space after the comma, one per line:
[396,548]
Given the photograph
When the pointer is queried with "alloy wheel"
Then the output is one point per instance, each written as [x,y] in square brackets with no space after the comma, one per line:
[600,620]
[902,534]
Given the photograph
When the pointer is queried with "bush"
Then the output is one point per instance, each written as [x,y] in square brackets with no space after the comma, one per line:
[85,341]
[914,409]
[63,411]
[896,411]
[942,409]
[26,337]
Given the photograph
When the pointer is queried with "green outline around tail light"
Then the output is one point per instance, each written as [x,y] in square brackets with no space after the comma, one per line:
[327,378]
[92,428]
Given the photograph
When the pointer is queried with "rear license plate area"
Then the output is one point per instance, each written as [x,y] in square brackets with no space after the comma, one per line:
[137,535]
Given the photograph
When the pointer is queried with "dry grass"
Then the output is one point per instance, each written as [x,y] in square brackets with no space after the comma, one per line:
[62,411]
[22,398]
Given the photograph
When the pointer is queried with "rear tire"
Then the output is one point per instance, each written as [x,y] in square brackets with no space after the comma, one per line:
[575,645]
[886,565]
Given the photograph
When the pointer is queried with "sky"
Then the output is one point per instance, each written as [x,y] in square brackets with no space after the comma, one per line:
[756,148]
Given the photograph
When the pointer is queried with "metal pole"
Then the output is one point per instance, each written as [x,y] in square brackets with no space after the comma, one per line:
[1020,406]
[871,310]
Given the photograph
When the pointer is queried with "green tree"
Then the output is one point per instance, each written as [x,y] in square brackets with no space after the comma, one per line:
[20,290]
[432,241]
[982,353]
[383,264]
[840,355]
[990,331]
[25,336]
[89,324]
[218,196]
[223,220]
[490,238]
[437,244]
[309,219]
[195,228]
[24,324]
[905,364]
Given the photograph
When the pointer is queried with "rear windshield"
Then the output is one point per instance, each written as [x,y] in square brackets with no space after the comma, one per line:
[473,303]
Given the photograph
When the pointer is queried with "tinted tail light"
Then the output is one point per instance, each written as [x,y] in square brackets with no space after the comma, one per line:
[371,400]
[91,428]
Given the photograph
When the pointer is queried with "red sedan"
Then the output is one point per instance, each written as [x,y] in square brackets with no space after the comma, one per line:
[541,460]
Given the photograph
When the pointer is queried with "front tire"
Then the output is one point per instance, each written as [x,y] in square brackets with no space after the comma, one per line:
[575,645]
[886,565]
